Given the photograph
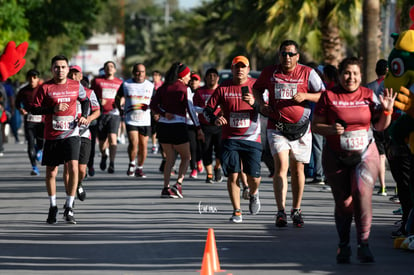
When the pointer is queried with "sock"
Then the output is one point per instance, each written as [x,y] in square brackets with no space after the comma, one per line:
[69,201]
[52,200]
[140,167]
[132,162]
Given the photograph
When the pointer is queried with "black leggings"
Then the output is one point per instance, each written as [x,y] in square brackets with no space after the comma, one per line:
[34,136]
[194,147]
[213,138]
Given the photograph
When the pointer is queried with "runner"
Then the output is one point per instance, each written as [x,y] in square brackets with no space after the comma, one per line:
[134,97]
[105,88]
[33,124]
[291,87]
[170,102]
[240,134]
[350,156]
[94,111]
[57,100]
[212,133]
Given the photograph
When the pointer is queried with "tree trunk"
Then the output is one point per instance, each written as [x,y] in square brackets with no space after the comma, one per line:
[370,36]
[331,45]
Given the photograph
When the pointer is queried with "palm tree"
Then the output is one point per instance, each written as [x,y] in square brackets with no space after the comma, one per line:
[371,38]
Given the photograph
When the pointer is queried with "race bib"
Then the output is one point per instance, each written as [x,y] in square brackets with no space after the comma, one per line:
[108,93]
[354,140]
[239,120]
[285,91]
[63,123]
[34,118]
[137,115]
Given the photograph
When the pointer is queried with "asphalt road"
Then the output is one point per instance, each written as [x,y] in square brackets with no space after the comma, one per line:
[124,227]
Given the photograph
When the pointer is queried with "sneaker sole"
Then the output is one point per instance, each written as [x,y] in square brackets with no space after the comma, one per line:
[235,221]
[281,223]
[298,225]
[177,192]
[169,197]
[257,210]
[81,196]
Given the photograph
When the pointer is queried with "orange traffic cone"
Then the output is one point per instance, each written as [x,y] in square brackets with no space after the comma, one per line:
[206,266]
[212,250]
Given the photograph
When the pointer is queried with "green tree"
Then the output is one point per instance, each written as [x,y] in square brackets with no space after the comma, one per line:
[58,27]
[13,24]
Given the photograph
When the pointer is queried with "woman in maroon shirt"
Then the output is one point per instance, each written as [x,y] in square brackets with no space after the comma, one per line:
[350,159]
[171,103]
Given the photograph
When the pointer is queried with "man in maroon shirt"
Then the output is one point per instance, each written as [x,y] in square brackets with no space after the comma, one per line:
[33,124]
[291,87]
[57,100]
[106,88]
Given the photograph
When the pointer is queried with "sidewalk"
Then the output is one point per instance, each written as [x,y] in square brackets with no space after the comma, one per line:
[124,227]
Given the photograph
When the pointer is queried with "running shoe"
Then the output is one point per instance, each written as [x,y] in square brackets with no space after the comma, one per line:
[68,215]
[154,149]
[111,168]
[325,188]
[209,178]
[399,211]
[193,174]
[178,190]
[254,205]
[139,173]
[51,217]
[91,172]
[35,171]
[395,199]
[317,181]
[411,245]
[200,168]
[400,232]
[296,216]
[343,254]
[382,192]
[236,217]
[365,254]
[168,193]
[102,165]
[246,193]
[218,175]
[131,170]
[39,155]
[281,219]
[81,192]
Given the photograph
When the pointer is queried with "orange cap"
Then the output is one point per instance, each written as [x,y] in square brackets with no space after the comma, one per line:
[241,59]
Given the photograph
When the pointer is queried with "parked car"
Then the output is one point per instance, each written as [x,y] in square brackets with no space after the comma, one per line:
[226,74]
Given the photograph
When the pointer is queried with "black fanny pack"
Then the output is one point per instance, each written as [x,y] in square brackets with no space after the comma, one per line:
[351,160]
[293,131]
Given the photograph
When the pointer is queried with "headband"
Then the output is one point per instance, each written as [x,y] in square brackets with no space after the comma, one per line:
[184,71]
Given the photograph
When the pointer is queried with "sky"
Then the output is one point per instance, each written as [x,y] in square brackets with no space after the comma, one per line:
[188,4]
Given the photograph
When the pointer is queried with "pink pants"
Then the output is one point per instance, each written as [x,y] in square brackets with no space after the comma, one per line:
[352,189]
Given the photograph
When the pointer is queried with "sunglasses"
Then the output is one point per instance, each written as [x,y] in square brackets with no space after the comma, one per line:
[284,54]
